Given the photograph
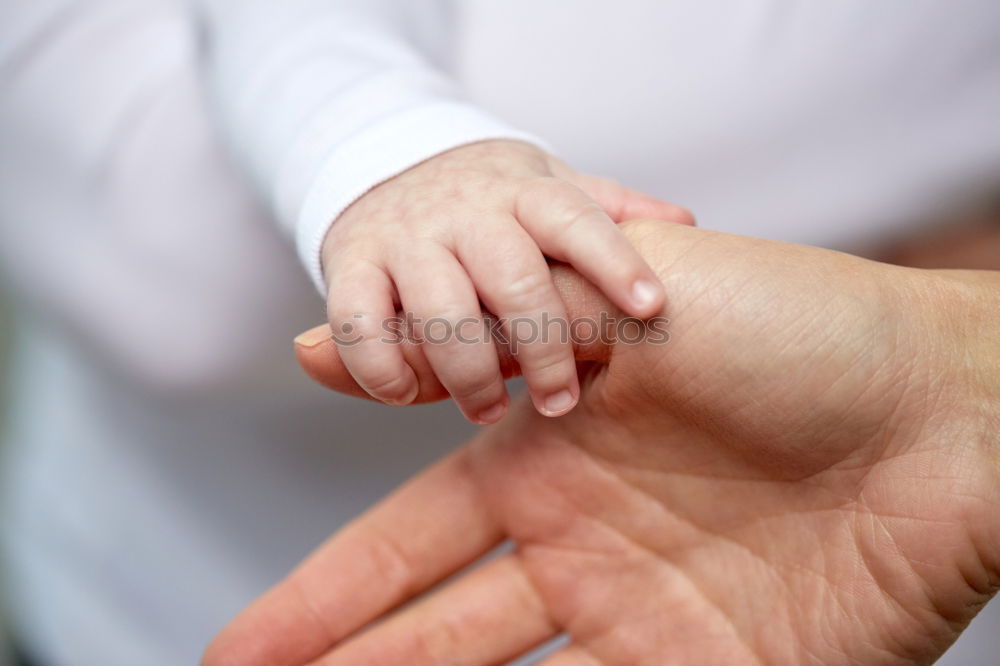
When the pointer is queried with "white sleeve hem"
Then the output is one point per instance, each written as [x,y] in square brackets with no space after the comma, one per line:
[379,153]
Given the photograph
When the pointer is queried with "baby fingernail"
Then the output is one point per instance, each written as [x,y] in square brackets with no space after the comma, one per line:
[558,403]
[645,293]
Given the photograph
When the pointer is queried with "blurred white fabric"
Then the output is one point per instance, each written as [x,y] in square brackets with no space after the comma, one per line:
[157,481]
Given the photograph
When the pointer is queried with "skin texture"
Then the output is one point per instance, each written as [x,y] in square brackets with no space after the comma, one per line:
[807,473]
[476,224]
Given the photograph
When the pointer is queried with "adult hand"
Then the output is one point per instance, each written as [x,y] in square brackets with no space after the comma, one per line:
[807,473]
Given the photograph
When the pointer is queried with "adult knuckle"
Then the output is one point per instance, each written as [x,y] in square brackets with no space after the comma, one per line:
[391,563]
[438,642]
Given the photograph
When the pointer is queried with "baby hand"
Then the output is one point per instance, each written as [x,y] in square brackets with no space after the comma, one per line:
[474,225]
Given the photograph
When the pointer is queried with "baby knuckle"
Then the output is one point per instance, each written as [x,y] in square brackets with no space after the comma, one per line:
[475,384]
[572,214]
[553,361]
[526,292]
[538,193]
[445,326]
[357,326]
[395,387]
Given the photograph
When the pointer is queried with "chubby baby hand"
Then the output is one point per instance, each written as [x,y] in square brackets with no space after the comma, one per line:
[471,228]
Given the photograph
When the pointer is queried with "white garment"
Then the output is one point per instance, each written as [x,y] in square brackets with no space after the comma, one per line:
[148,496]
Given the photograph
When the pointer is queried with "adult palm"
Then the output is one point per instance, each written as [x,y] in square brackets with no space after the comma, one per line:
[806,473]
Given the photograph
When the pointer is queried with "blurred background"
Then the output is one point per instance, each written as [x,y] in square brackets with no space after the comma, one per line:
[6,320]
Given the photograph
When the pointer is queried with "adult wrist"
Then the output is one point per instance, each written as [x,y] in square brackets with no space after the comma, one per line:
[966,307]
[971,304]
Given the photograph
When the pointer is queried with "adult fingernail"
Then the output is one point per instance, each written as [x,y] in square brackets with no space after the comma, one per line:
[314,336]
[645,293]
[492,414]
[558,403]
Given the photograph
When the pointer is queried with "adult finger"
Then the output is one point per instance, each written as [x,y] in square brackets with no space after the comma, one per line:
[428,529]
[489,616]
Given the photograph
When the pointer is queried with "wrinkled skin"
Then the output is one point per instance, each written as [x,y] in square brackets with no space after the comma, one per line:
[807,473]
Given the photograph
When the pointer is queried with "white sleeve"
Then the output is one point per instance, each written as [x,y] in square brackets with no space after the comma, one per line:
[321,100]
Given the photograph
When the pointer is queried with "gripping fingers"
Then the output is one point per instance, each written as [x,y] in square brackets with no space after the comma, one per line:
[514,282]
[448,320]
[570,226]
[360,310]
